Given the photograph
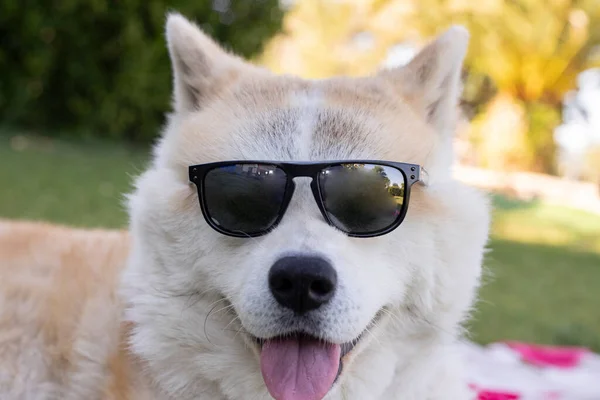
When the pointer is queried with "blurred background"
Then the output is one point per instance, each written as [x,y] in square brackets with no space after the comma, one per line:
[84,85]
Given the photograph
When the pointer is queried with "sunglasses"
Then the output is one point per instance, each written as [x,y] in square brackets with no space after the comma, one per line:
[360,198]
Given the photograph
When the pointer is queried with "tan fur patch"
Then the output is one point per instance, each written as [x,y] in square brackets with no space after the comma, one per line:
[58,299]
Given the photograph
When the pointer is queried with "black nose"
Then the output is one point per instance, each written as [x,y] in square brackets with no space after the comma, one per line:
[302,283]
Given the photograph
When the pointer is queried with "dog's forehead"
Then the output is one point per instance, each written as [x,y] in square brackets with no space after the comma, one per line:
[304,120]
[307,132]
[280,118]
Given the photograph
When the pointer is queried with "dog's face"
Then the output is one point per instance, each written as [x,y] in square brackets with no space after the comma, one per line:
[190,286]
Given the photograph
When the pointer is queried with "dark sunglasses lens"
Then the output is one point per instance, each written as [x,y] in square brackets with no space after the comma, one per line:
[362,198]
[244,198]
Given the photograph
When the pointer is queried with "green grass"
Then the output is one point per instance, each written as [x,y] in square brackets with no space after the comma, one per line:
[544,264]
[62,182]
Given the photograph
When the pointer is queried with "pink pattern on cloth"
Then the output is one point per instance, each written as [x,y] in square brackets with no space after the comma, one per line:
[555,356]
[514,370]
[483,394]
[497,395]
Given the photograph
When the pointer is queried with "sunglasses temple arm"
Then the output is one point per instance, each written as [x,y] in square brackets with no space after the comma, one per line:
[423,177]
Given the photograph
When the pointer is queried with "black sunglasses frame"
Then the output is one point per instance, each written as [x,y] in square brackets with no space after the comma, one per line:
[413,173]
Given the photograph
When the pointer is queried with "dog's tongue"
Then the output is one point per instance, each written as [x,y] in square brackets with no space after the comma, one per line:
[299,368]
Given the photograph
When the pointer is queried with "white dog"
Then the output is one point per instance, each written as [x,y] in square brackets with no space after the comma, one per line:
[340,289]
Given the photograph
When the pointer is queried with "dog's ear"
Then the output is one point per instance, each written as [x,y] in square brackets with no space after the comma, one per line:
[200,66]
[432,79]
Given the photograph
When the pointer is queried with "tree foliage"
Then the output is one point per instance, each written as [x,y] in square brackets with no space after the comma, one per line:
[100,66]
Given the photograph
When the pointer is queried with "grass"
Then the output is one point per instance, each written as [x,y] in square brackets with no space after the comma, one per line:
[544,261]
[62,182]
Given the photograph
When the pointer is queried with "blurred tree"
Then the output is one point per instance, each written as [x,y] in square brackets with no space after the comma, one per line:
[325,38]
[101,67]
[396,190]
[524,55]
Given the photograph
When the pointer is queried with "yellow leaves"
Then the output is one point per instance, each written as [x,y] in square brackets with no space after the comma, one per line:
[315,38]
[500,134]
[532,49]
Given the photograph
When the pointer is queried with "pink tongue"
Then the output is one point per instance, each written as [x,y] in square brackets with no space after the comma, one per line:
[299,368]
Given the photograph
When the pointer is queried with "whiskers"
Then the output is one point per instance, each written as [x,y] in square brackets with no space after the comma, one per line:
[412,322]
[228,309]
[213,306]
[372,328]
[221,308]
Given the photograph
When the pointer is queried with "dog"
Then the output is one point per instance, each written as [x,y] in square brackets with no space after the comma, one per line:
[324,303]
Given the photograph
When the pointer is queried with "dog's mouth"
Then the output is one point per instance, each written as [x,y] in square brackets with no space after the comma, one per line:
[298,366]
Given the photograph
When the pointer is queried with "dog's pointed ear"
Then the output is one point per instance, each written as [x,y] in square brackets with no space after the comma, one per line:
[200,66]
[432,79]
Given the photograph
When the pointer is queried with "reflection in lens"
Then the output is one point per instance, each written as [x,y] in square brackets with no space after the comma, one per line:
[244,197]
[362,198]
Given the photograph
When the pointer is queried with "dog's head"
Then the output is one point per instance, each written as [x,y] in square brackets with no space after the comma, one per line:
[208,306]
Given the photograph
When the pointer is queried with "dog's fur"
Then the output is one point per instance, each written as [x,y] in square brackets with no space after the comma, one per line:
[168,310]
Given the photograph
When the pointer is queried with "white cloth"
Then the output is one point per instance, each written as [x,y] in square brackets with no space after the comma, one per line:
[497,369]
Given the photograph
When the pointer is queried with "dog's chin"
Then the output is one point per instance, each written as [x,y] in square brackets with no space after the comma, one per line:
[289,354]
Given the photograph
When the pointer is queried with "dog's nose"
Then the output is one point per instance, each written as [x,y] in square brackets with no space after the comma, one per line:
[302,283]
